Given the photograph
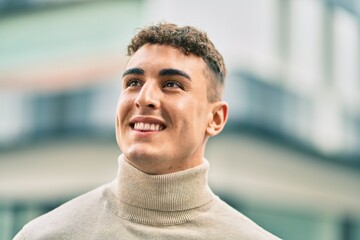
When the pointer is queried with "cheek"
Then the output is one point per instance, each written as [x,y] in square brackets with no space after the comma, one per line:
[175,110]
[203,116]
[117,122]
[123,107]
[202,109]
[182,104]
[192,114]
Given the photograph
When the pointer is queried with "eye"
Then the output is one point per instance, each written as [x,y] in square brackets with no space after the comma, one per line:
[132,83]
[172,84]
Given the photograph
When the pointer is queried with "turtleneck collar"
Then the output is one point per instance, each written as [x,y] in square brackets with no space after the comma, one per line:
[160,199]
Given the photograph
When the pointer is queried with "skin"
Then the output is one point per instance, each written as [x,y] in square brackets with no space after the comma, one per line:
[162,85]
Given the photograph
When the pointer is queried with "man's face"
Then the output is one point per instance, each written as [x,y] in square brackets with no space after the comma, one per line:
[163,111]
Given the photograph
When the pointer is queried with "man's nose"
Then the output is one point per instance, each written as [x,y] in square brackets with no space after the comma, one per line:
[148,96]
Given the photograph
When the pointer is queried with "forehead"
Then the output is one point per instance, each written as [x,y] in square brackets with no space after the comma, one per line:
[156,56]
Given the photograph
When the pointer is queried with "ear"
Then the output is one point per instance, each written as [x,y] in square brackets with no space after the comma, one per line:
[218,118]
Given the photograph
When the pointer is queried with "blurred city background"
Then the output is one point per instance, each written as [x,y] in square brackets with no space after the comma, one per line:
[289,157]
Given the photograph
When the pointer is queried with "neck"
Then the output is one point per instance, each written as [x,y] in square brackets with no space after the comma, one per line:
[161,199]
[161,166]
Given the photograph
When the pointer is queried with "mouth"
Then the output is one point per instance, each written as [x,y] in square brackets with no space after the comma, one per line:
[146,124]
[147,127]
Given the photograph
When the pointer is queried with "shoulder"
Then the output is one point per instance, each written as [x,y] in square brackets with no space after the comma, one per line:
[66,218]
[233,224]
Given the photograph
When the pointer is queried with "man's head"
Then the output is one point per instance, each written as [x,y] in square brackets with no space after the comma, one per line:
[170,102]
[190,41]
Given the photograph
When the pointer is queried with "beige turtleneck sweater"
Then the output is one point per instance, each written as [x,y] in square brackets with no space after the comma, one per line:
[140,206]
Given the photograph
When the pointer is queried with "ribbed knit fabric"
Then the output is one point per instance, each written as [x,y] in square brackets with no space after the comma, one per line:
[140,206]
[160,199]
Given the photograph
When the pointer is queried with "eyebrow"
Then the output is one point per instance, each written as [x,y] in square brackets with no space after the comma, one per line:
[173,71]
[136,71]
[163,72]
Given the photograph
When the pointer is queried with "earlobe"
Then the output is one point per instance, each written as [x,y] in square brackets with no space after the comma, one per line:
[218,118]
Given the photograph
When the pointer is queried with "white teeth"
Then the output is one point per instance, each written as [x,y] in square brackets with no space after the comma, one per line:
[147,127]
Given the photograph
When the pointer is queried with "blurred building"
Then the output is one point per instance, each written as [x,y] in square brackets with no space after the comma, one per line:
[289,157]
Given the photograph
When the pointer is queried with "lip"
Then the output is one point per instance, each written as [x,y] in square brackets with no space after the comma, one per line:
[146,119]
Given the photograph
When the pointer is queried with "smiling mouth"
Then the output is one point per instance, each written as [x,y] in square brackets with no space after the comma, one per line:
[147,127]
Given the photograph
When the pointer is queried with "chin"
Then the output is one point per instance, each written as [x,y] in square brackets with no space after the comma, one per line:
[140,154]
[146,161]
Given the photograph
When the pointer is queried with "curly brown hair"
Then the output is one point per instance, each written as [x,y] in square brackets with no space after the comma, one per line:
[190,41]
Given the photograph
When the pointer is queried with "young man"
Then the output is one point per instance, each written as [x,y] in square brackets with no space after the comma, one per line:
[169,106]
